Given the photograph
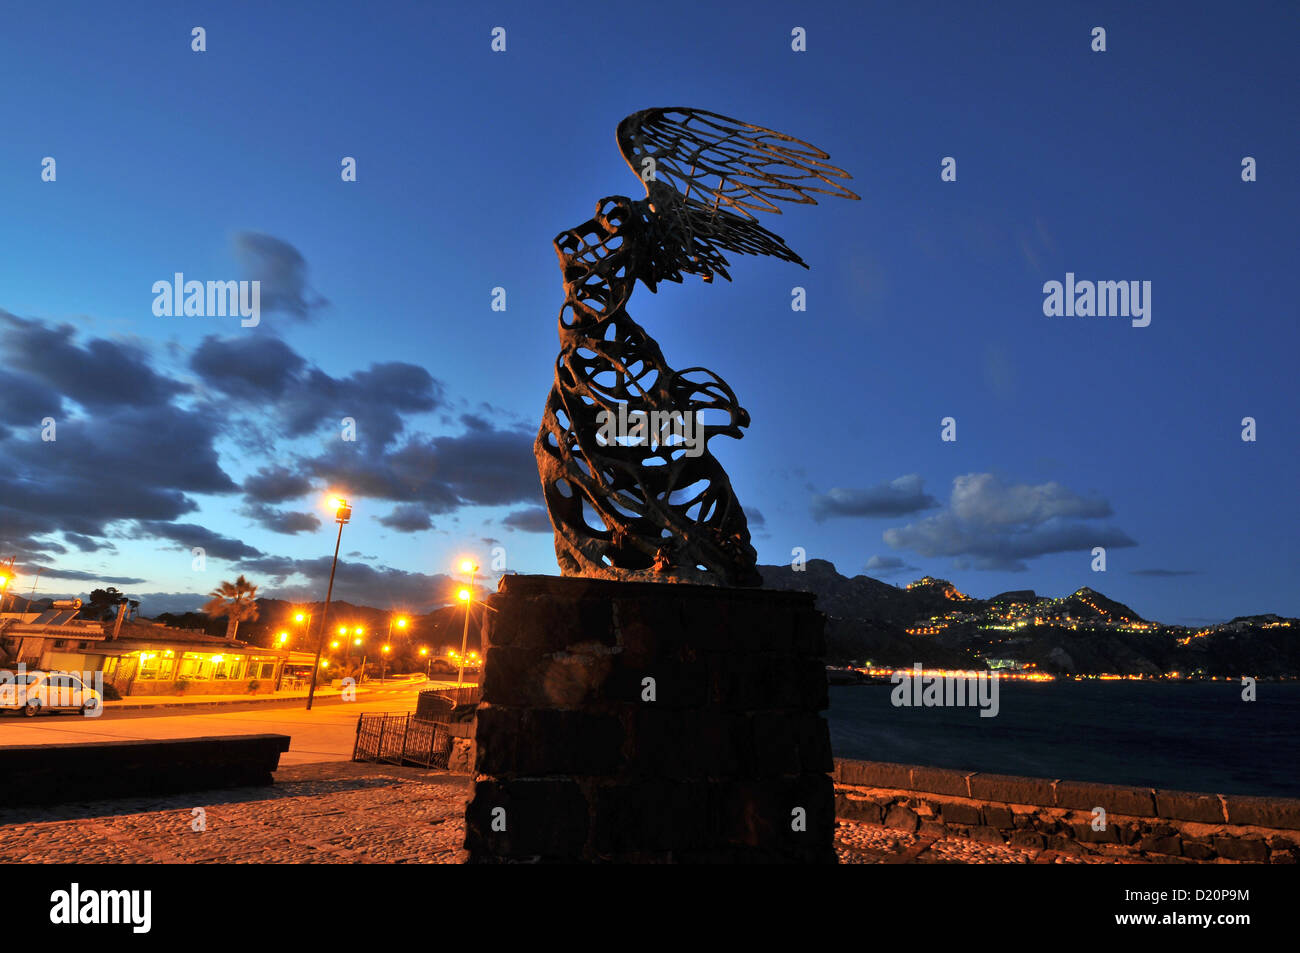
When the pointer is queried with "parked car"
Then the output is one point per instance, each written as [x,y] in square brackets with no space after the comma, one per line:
[33,692]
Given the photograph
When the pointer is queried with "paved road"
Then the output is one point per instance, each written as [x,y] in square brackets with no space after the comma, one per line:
[326,733]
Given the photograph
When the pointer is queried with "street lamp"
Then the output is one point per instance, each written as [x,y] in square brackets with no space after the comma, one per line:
[383,665]
[466,596]
[284,637]
[424,651]
[342,513]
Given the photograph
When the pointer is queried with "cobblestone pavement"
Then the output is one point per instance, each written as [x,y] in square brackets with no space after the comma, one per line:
[857,843]
[337,812]
[344,812]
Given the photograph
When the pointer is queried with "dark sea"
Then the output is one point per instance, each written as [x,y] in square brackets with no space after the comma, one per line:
[1188,736]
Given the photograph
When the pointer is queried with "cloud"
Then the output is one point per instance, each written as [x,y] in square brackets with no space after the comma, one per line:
[754,517]
[282,271]
[103,374]
[991,525]
[282,521]
[190,535]
[123,463]
[46,571]
[353,582]
[482,467]
[408,518]
[1164,572]
[275,484]
[251,366]
[532,520]
[888,565]
[302,399]
[895,498]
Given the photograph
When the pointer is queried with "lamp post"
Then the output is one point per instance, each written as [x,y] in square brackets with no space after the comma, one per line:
[467,597]
[383,664]
[424,651]
[342,513]
[284,638]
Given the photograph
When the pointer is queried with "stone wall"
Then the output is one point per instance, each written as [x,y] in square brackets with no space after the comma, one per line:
[1159,825]
[651,722]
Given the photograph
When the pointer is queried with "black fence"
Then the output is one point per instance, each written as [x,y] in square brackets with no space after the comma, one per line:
[422,737]
[402,739]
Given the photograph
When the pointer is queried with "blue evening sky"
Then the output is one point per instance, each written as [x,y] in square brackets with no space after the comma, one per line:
[924,299]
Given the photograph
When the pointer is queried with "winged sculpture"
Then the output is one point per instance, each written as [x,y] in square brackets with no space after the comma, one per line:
[632,490]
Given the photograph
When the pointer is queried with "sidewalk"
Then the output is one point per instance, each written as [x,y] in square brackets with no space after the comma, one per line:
[187,701]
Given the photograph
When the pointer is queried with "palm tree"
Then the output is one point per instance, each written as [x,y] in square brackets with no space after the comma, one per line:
[236,601]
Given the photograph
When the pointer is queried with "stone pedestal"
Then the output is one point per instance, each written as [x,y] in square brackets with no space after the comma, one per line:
[643,722]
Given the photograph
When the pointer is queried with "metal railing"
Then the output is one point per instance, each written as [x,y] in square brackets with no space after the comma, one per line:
[402,739]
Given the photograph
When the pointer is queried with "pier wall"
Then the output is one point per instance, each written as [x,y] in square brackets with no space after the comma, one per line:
[1059,815]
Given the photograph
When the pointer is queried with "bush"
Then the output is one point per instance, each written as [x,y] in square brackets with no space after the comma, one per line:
[253,685]
[111,694]
[181,685]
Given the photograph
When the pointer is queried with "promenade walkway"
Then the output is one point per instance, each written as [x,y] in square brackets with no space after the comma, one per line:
[344,812]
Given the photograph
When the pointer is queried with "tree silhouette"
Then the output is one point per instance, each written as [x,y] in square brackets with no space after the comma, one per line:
[234,600]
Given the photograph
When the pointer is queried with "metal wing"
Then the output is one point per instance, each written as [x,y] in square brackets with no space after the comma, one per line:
[707,174]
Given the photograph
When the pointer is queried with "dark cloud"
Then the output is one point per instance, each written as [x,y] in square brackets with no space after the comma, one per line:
[88,576]
[282,271]
[124,463]
[533,520]
[282,521]
[895,498]
[256,366]
[353,582]
[754,517]
[103,374]
[190,535]
[303,400]
[888,566]
[1164,572]
[991,525]
[480,467]
[275,485]
[408,518]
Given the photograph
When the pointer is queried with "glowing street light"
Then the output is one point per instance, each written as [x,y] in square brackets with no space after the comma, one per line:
[342,513]
[466,596]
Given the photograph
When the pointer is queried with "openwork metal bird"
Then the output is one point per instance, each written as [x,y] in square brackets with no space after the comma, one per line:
[631,487]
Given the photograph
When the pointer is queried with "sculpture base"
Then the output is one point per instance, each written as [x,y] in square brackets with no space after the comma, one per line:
[643,722]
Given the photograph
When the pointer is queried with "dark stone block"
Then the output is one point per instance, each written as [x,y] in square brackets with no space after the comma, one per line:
[856,808]
[710,770]
[776,747]
[873,774]
[1180,805]
[1011,789]
[998,817]
[540,743]
[940,781]
[1263,811]
[32,775]
[962,814]
[1114,798]
[655,815]
[1241,848]
[543,818]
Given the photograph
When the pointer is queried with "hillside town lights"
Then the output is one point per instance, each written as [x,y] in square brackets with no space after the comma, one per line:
[342,513]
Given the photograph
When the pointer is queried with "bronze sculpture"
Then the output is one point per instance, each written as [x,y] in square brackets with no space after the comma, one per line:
[650,502]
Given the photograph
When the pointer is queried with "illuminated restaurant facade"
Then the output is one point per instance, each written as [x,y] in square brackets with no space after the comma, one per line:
[139,657]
